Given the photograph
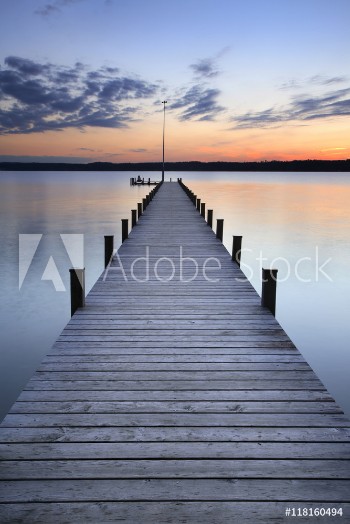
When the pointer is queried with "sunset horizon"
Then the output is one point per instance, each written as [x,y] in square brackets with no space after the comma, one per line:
[252,82]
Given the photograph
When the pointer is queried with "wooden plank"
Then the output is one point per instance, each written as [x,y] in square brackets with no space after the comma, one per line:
[170,358]
[176,375]
[178,346]
[165,468]
[211,406]
[174,434]
[199,384]
[175,419]
[175,490]
[212,512]
[130,348]
[176,450]
[192,367]
[176,395]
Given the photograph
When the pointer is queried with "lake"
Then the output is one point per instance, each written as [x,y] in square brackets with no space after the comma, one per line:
[298,223]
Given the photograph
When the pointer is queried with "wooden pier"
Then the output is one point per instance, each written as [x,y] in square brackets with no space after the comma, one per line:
[173,399]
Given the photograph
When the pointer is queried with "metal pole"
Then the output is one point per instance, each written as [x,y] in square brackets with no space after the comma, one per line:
[164,102]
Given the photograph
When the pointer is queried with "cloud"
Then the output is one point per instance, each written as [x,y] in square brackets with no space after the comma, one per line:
[198,103]
[301,108]
[36,97]
[110,155]
[58,5]
[335,149]
[327,80]
[319,80]
[205,67]
[54,159]
[54,7]
[137,150]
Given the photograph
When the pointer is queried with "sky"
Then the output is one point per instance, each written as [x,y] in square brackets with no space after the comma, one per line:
[84,80]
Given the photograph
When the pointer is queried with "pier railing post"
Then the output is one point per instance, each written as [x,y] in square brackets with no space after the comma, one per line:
[77,289]
[139,209]
[144,203]
[109,248]
[237,249]
[210,217]
[125,229]
[133,217]
[268,293]
[199,204]
[220,228]
[203,209]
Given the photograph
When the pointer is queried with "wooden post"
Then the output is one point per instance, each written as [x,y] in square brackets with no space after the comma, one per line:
[125,229]
[144,202]
[77,289]
[139,209]
[220,228]
[199,204]
[236,249]
[109,248]
[203,209]
[133,217]
[268,293]
[210,217]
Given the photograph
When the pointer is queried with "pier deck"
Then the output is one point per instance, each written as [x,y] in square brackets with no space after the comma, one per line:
[168,402]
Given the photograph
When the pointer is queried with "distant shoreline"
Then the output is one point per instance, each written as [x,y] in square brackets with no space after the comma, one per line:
[275,165]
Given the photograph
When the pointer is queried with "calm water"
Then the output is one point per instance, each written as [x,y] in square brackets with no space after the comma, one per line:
[283,217]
